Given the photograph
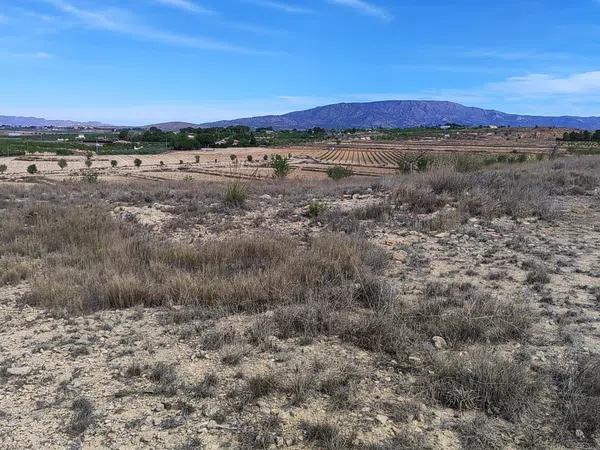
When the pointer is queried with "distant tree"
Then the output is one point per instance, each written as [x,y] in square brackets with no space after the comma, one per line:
[137,162]
[62,163]
[114,163]
[32,169]
[232,157]
[124,135]
[3,168]
[249,158]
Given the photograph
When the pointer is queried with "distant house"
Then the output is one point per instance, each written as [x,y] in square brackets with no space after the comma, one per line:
[81,136]
[494,127]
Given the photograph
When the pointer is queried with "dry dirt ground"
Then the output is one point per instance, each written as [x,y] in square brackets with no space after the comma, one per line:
[166,378]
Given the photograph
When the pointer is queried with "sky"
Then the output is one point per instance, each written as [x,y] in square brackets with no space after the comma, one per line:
[138,62]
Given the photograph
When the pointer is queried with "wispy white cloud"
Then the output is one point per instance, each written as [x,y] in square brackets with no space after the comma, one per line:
[186,5]
[365,8]
[282,6]
[549,85]
[26,55]
[513,55]
[117,21]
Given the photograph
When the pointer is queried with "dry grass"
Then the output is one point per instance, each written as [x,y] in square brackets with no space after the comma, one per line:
[98,263]
[579,394]
[483,380]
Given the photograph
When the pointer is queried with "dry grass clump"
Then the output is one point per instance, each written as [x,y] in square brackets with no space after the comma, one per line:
[483,380]
[482,433]
[83,415]
[325,435]
[461,313]
[579,394]
[484,194]
[98,263]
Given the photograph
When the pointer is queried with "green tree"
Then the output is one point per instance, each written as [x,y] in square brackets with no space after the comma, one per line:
[137,162]
[249,158]
[32,169]
[62,163]
[3,168]
[114,163]
[280,165]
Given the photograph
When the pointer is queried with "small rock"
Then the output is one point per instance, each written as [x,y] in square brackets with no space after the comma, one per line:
[381,419]
[18,371]
[439,342]
[579,434]
[265,197]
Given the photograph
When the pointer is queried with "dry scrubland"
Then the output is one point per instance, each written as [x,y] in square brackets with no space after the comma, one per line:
[436,310]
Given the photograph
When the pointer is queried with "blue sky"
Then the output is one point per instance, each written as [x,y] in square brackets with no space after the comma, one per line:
[144,61]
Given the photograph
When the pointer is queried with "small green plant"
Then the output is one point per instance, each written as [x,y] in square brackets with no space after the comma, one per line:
[280,165]
[62,163]
[32,169]
[137,162]
[88,161]
[315,209]
[339,172]
[114,163]
[3,168]
[188,178]
[91,176]
[236,194]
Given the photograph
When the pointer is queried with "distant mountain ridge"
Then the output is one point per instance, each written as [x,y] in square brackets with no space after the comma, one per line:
[17,121]
[403,114]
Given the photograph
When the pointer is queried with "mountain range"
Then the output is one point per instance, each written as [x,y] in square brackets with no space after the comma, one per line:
[404,114]
[384,114]
[16,121]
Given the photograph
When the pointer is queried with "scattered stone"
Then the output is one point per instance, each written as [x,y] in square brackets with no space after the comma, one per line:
[439,342]
[18,371]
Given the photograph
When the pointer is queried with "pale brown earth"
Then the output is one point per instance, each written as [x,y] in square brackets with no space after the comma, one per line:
[48,359]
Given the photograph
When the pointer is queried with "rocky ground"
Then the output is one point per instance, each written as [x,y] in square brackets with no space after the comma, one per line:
[158,378]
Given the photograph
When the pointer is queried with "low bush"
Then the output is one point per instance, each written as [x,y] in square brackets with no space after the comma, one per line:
[339,172]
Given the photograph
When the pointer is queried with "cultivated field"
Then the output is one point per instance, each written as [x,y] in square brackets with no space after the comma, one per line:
[207,305]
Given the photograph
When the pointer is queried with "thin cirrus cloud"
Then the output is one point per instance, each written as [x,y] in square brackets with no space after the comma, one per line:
[186,5]
[282,6]
[114,21]
[365,8]
[550,85]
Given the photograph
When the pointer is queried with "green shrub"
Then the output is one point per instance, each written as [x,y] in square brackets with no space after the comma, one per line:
[91,176]
[249,158]
[315,209]
[114,163]
[339,172]
[280,165]
[137,162]
[62,163]
[3,168]
[32,169]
